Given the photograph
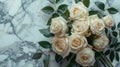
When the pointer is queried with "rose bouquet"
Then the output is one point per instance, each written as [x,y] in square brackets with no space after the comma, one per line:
[80,37]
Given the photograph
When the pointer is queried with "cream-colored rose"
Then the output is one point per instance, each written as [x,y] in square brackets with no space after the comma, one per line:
[61,46]
[78,11]
[96,25]
[77,42]
[58,26]
[108,21]
[80,27]
[86,57]
[101,42]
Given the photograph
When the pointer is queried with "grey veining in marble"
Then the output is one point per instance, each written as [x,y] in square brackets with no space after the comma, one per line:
[20,21]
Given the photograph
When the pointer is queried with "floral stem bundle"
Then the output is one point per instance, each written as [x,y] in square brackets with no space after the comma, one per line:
[80,36]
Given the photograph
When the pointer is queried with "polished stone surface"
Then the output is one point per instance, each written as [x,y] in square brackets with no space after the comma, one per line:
[20,21]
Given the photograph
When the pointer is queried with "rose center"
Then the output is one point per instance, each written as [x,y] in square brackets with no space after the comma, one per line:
[84,57]
[75,11]
[60,46]
[56,27]
[99,25]
[77,42]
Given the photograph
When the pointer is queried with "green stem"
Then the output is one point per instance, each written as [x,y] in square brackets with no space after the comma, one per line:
[102,61]
[106,60]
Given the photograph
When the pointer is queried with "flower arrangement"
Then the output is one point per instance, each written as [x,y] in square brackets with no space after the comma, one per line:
[80,36]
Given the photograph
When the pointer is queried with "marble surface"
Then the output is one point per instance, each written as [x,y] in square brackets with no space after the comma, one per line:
[20,21]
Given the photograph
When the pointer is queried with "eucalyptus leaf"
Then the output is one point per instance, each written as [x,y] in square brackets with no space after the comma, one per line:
[107,52]
[112,10]
[117,57]
[37,56]
[114,33]
[62,8]
[44,44]
[100,5]
[118,26]
[58,58]
[45,32]
[76,1]
[112,56]
[46,61]
[48,10]
[92,12]
[86,3]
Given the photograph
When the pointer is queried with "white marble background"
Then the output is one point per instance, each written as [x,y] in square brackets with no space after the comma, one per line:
[22,21]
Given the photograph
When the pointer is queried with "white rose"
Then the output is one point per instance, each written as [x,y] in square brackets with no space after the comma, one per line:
[108,21]
[101,42]
[86,57]
[61,46]
[96,24]
[78,11]
[80,27]
[58,26]
[77,42]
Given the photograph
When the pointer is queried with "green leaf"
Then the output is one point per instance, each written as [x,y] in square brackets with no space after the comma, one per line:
[53,16]
[46,61]
[114,40]
[100,5]
[107,52]
[86,3]
[44,44]
[118,49]
[58,58]
[106,30]
[72,63]
[117,44]
[95,64]
[66,14]
[62,8]
[92,12]
[59,1]
[45,32]
[118,26]
[76,1]
[112,56]
[113,27]
[49,21]
[55,1]
[114,33]
[52,1]
[48,10]
[117,57]
[37,56]
[112,10]
[97,55]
